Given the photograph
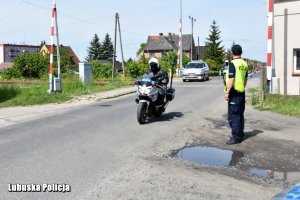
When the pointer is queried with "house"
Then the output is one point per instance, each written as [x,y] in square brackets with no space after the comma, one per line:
[200,52]
[8,52]
[286,47]
[157,45]
[73,57]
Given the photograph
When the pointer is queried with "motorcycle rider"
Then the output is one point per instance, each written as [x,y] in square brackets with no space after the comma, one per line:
[160,77]
[223,71]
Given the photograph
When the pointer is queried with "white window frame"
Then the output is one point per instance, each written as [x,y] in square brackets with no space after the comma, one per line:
[295,61]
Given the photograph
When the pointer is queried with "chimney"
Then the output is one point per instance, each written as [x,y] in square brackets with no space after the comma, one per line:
[174,38]
[171,37]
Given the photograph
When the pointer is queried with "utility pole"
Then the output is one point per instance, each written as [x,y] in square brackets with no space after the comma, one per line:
[263,84]
[192,20]
[115,44]
[117,25]
[198,49]
[121,46]
[57,52]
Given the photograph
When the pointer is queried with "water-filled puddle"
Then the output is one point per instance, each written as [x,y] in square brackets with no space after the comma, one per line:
[216,157]
[260,172]
[210,156]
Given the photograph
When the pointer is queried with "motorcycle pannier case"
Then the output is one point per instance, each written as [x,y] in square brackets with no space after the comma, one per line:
[170,94]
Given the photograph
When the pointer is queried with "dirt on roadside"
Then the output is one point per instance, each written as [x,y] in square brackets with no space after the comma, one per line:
[272,143]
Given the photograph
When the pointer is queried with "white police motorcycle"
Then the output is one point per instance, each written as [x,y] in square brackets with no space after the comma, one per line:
[147,98]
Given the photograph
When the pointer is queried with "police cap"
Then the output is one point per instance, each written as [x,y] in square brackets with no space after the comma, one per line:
[236,49]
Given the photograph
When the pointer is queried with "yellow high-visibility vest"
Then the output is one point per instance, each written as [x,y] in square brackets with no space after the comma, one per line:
[241,68]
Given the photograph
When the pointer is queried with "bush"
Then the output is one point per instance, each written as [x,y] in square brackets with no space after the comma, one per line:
[28,65]
[135,69]
[11,73]
[101,70]
[214,73]
[31,65]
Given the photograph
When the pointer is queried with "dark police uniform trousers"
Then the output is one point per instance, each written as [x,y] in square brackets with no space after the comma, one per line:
[236,108]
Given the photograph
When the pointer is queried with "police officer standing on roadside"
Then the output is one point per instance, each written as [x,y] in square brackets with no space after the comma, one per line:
[236,80]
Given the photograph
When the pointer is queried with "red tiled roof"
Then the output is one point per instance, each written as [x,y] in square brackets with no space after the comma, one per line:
[70,52]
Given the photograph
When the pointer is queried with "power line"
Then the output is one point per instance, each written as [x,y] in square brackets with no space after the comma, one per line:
[13,11]
[287,14]
[79,19]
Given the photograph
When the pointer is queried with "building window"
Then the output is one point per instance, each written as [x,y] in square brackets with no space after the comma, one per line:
[297,60]
[11,53]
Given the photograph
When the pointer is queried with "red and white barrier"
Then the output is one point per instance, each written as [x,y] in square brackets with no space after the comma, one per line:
[52,47]
[179,41]
[270,39]
[179,61]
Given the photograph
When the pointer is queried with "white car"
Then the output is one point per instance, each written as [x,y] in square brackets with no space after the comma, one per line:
[250,74]
[195,70]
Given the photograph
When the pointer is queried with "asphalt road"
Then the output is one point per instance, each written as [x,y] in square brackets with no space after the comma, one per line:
[82,146]
[101,151]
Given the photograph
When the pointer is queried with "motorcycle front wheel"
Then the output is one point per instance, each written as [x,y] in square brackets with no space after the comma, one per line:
[141,112]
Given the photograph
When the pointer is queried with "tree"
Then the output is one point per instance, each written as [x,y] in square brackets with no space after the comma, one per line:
[94,50]
[167,60]
[42,43]
[107,48]
[142,47]
[214,51]
[66,62]
[185,59]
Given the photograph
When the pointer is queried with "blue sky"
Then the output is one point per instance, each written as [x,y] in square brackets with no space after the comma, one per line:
[28,22]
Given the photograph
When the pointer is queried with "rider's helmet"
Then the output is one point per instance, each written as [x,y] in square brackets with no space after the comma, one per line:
[236,49]
[154,65]
[226,62]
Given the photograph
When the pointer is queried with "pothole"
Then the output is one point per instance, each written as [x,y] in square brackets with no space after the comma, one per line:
[215,157]
[210,156]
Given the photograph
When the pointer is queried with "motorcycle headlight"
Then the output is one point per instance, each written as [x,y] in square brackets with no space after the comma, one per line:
[147,91]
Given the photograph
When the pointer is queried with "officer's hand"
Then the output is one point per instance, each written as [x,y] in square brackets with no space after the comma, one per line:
[226,97]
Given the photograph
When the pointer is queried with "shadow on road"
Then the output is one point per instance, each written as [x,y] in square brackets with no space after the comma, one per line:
[105,105]
[252,134]
[166,117]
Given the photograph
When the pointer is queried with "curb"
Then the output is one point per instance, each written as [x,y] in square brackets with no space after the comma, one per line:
[17,114]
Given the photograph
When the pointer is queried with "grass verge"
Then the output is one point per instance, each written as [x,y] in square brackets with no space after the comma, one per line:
[22,93]
[282,104]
